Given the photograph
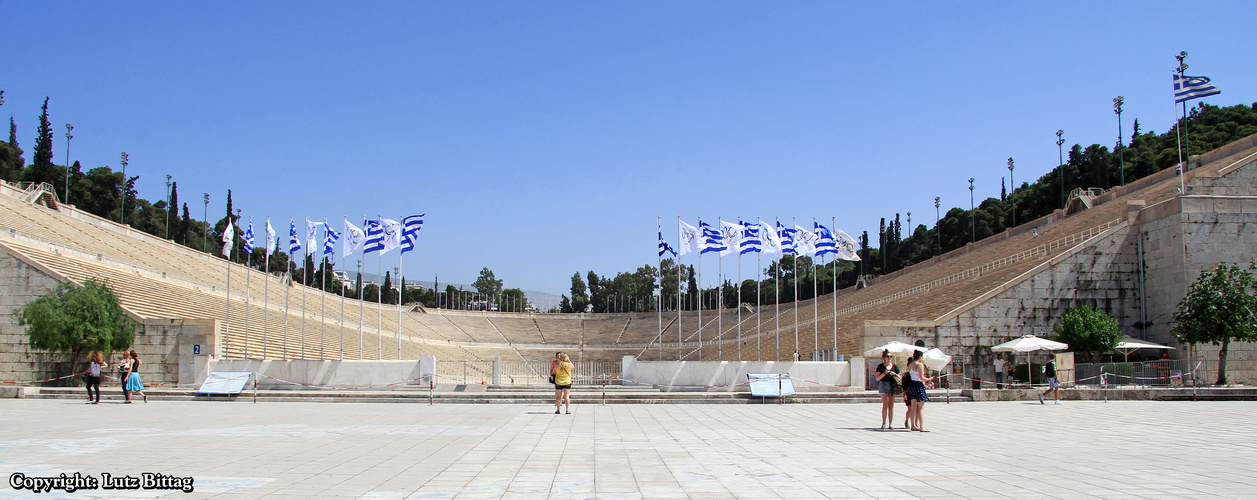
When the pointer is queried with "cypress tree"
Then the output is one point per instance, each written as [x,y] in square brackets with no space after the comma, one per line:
[43,142]
[173,209]
[185,224]
[12,132]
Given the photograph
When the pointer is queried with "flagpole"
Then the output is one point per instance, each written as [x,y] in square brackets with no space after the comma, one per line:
[342,300]
[323,297]
[816,312]
[227,325]
[248,259]
[720,296]
[402,281]
[739,290]
[305,285]
[1179,133]
[702,243]
[288,276]
[266,286]
[795,243]
[659,264]
[777,290]
[679,338]
[361,307]
[833,221]
[379,303]
[759,290]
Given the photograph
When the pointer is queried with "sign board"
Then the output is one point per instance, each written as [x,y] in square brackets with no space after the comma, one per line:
[770,384]
[225,383]
[196,348]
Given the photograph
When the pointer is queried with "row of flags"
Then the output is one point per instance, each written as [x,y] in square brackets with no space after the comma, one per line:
[760,236]
[379,235]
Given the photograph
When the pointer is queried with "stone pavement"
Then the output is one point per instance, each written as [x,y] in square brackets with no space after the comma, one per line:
[1126,449]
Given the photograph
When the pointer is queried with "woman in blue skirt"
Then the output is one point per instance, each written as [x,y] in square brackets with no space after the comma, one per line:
[134,384]
[916,391]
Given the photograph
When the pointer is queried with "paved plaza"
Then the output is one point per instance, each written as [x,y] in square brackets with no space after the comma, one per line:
[1128,449]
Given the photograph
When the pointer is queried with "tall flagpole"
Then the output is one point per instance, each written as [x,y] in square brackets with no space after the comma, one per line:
[305,287]
[777,290]
[701,244]
[379,302]
[679,338]
[248,259]
[323,297]
[795,242]
[833,221]
[227,316]
[288,277]
[402,281]
[342,301]
[816,312]
[659,264]
[759,286]
[739,290]
[720,296]
[1179,133]
[266,287]
[361,306]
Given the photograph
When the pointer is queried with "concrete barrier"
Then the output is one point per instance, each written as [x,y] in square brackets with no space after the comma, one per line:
[731,375]
[332,373]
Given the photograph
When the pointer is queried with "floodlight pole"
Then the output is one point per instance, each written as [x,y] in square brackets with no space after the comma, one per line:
[68,128]
[973,224]
[168,206]
[122,211]
[1121,160]
[1014,191]
[938,230]
[1060,158]
[205,222]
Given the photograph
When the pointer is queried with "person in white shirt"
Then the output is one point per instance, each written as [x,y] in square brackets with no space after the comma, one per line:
[1000,370]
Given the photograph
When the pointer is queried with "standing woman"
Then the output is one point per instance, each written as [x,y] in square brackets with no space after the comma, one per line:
[916,371]
[124,371]
[95,366]
[887,375]
[563,383]
[133,380]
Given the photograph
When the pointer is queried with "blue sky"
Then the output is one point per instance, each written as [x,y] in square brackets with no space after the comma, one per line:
[543,139]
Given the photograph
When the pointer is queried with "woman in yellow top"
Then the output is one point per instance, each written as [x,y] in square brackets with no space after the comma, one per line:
[563,383]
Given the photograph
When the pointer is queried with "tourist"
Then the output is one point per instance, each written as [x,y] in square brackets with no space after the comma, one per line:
[134,384]
[554,363]
[95,365]
[1054,386]
[1000,369]
[124,371]
[916,372]
[563,384]
[887,375]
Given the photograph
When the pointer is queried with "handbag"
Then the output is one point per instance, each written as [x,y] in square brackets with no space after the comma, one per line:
[551,378]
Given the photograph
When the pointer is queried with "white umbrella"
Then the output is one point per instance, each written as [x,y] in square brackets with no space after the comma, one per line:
[934,359]
[1028,344]
[1128,344]
[896,349]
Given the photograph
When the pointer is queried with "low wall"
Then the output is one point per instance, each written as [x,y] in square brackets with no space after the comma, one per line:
[344,374]
[731,375]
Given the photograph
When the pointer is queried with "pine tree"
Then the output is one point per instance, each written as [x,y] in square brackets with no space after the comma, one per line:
[185,224]
[43,142]
[173,209]
[12,132]
[387,294]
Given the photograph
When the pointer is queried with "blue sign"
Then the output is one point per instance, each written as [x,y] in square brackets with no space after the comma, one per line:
[196,348]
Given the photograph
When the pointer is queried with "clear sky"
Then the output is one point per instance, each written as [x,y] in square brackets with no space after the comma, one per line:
[545,138]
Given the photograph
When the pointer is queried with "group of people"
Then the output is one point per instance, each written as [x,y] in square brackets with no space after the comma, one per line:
[911,383]
[561,370]
[128,369]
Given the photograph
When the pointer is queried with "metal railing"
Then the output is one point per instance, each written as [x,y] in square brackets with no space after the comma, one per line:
[1161,372]
[525,373]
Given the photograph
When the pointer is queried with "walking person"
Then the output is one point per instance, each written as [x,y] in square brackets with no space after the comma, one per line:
[134,384]
[124,371]
[1000,369]
[95,366]
[916,372]
[887,375]
[1054,386]
[563,383]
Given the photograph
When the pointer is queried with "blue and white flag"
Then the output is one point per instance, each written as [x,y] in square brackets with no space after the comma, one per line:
[663,246]
[846,245]
[329,239]
[410,231]
[786,235]
[691,238]
[312,231]
[750,242]
[270,237]
[392,234]
[294,244]
[731,235]
[354,238]
[825,243]
[772,242]
[375,236]
[229,237]
[1187,88]
[248,238]
[804,241]
[712,241]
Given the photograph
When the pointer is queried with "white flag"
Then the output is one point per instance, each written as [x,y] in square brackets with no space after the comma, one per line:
[804,241]
[732,234]
[846,245]
[772,242]
[354,238]
[312,232]
[229,236]
[270,237]
[392,234]
[690,240]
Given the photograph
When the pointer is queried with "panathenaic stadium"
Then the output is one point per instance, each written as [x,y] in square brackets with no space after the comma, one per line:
[1132,251]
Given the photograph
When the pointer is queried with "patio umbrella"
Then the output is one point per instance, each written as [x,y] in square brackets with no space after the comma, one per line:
[1029,344]
[1128,344]
[896,348]
[934,359]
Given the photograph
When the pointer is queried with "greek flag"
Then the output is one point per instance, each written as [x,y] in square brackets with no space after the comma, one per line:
[846,245]
[248,238]
[825,243]
[229,237]
[804,241]
[354,239]
[663,245]
[712,241]
[786,236]
[410,230]
[750,242]
[1187,88]
[329,239]
[294,244]
[731,235]
[375,236]
[312,231]
[270,237]
[691,239]
[772,242]
[392,234]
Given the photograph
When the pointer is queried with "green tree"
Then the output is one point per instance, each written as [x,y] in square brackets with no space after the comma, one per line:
[388,287]
[1218,309]
[43,141]
[76,319]
[580,294]
[1089,331]
[488,285]
[173,210]
[11,162]
[12,133]
[513,300]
